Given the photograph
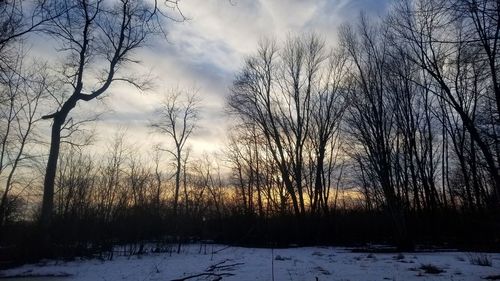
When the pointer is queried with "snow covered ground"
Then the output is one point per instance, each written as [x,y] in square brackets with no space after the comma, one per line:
[219,262]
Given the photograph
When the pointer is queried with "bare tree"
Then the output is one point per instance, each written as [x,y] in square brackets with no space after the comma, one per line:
[24,87]
[177,119]
[328,109]
[457,56]
[245,155]
[371,118]
[96,37]
[292,97]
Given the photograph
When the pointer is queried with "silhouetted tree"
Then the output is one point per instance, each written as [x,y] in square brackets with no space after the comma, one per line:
[177,119]
[96,37]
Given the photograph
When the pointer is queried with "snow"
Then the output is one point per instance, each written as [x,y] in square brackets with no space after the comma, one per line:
[237,263]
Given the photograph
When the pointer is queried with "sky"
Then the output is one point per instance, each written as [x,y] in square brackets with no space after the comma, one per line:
[206,51]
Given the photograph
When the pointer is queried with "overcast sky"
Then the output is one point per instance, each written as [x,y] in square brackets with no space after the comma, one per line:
[208,49]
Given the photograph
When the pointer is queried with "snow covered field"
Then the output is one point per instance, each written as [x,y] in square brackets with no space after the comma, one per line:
[219,262]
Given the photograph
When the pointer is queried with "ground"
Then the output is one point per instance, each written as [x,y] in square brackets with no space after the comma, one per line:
[219,262]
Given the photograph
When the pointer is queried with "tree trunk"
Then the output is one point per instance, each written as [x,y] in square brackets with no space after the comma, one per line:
[50,176]
[177,182]
[318,183]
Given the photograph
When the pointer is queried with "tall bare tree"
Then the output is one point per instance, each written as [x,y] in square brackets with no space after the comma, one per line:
[328,107]
[279,92]
[98,39]
[177,118]
[456,53]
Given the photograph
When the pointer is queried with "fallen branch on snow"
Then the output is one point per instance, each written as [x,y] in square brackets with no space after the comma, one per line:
[210,271]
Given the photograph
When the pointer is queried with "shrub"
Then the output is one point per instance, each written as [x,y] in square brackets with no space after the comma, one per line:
[431,269]
[480,259]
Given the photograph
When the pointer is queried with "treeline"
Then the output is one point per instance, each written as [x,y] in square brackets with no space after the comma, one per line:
[389,136]
[123,198]
[403,112]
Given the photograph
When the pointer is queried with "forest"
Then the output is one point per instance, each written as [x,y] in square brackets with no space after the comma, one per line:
[386,136]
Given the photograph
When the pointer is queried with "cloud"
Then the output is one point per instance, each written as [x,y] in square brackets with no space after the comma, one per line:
[207,50]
